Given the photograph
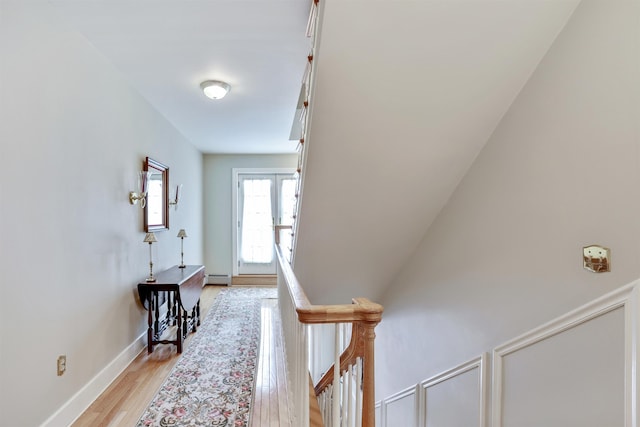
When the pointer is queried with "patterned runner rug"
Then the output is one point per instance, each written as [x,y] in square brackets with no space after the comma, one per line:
[212,384]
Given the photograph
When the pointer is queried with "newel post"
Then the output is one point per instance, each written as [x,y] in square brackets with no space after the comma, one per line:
[368,386]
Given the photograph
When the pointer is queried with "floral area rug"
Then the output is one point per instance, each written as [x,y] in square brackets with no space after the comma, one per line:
[213,382]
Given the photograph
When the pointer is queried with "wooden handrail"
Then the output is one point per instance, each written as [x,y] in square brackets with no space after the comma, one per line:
[361,310]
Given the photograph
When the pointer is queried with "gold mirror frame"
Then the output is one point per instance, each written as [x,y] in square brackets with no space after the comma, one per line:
[156,211]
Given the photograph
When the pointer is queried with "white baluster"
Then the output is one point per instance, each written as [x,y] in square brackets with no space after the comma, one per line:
[329,404]
[358,392]
[349,422]
[346,389]
[304,376]
[336,379]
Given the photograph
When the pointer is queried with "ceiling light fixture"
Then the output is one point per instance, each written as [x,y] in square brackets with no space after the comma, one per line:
[215,89]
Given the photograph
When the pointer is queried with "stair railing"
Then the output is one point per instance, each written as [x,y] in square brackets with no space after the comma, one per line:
[345,395]
[278,229]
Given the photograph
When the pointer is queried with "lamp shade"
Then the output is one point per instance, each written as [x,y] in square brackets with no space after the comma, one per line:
[182,233]
[215,89]
[150,238]
[143,179]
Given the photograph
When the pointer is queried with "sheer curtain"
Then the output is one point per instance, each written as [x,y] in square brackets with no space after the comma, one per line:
[257,222]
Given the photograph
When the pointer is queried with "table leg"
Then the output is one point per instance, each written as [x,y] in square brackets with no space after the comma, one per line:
[179,330]
[150,324]
[169,307]
[198,311]
[156,323]
[185,323]
[174,303]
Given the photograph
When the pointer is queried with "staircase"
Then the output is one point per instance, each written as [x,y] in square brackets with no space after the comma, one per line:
[344,395]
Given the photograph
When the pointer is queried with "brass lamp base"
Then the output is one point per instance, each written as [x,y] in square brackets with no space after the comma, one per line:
[181,266]
[151,279]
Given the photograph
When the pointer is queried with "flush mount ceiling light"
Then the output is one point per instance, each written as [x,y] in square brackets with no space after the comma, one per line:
[215,89]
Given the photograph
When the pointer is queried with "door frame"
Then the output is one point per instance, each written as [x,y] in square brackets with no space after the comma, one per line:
[236,172]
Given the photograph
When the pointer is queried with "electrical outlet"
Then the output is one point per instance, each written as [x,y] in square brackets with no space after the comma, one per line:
[62,364]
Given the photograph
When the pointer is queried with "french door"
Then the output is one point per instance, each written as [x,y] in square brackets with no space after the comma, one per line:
[264,200]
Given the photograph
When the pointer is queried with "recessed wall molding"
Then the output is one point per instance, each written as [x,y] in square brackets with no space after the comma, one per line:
[567,330]
[400,409]
[410,406]
[478,364]
[560,350]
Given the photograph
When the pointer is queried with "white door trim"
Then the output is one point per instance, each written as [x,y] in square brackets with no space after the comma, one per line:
[235,172]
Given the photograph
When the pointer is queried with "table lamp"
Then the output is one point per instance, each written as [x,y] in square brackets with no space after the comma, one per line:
[182,234]
[150,238]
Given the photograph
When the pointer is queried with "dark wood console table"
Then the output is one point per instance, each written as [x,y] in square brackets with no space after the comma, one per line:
[181,288]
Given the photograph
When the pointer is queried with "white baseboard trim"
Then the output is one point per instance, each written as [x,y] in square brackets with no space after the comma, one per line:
[80,401]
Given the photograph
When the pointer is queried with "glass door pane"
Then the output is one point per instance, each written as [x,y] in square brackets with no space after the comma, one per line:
[256,203]
[264,200]
[286,209]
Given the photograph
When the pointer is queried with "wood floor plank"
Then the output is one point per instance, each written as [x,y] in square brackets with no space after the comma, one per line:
[124,401]
[283,397]
[271,403]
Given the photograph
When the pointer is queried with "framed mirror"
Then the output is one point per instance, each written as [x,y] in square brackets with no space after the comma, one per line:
[156,211]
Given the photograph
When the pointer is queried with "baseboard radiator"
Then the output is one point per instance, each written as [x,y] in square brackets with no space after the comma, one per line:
[219,279]
[345,394]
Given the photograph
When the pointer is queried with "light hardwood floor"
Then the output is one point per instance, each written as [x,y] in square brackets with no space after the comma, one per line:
[128,396]
[270,406]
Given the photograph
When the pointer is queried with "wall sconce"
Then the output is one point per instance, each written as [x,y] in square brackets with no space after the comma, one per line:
[596,259]
[174,200]
[141,189]
[215,89]
[182,234]
[150,238]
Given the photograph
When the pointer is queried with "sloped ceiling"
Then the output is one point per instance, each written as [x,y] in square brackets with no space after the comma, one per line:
[166,48]
[407,93]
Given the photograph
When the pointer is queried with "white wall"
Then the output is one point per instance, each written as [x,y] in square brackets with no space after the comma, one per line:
[576,370]
[217,202]
[382,163]
[560,172]
[72,136]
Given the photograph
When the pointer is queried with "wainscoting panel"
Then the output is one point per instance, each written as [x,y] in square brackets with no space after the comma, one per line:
[400,410]
[579,370]
[455,398]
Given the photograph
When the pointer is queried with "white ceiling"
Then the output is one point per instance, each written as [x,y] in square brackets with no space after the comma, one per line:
[166,48]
